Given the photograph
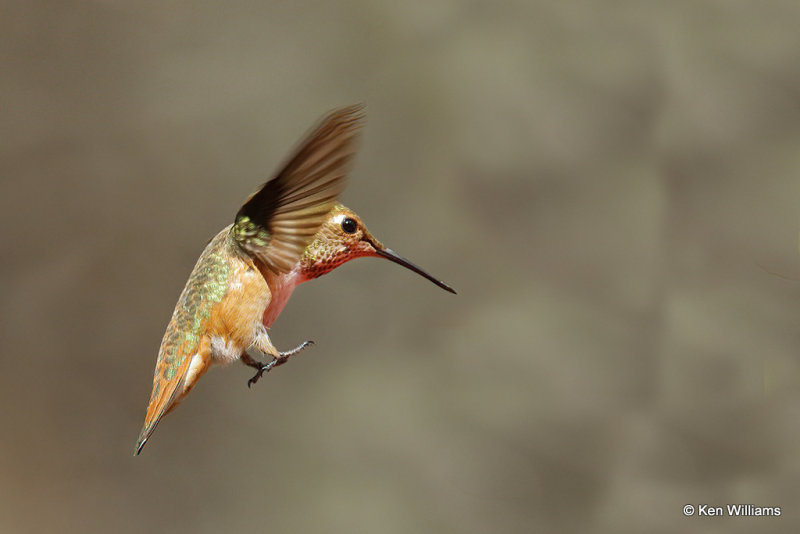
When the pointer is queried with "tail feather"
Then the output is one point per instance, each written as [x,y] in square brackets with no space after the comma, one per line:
[164,397]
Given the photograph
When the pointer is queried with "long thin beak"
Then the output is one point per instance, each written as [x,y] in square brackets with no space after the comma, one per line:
[391,255]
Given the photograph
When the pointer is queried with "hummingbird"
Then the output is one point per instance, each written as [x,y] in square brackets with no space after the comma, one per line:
[290,231]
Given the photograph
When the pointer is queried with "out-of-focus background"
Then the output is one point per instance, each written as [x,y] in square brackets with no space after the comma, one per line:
[606,184]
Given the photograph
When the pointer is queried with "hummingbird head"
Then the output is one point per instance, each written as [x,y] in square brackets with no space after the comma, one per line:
[343,237]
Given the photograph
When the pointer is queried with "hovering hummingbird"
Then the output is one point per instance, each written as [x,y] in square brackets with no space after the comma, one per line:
[290,231]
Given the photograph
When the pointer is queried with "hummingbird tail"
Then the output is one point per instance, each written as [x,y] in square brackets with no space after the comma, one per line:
[148,428]
[144,435]
[139,446]
[165,397]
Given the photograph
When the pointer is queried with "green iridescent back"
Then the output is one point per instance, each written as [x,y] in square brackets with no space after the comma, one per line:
[206,287]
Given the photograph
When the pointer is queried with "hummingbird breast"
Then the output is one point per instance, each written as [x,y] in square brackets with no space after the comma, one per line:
[237,319]
[281,287]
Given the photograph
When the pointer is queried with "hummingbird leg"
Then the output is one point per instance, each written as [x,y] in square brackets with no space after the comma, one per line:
[278,358]
[283,357]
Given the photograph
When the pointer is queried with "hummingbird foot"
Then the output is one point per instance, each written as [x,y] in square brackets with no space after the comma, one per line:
[280,359]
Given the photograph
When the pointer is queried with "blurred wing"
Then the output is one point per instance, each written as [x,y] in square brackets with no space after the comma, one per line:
[277,222]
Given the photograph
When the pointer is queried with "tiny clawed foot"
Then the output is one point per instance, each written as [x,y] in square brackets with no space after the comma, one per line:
[257,376]
[265,369]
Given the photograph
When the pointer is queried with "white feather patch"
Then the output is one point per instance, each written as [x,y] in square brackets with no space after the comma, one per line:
[224,351]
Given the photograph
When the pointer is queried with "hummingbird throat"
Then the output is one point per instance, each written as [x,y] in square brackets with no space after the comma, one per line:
[321,257]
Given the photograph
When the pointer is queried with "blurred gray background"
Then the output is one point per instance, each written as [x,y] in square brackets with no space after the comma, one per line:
[606,184]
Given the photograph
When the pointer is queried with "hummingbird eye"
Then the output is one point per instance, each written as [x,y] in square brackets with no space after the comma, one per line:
[349,226]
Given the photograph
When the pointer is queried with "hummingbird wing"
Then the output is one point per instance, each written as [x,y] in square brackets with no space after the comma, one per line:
[278,222]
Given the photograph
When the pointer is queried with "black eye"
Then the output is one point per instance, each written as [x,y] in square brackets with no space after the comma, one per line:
[349,226]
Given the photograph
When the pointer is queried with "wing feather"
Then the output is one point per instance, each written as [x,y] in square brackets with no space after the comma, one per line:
[277,222]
